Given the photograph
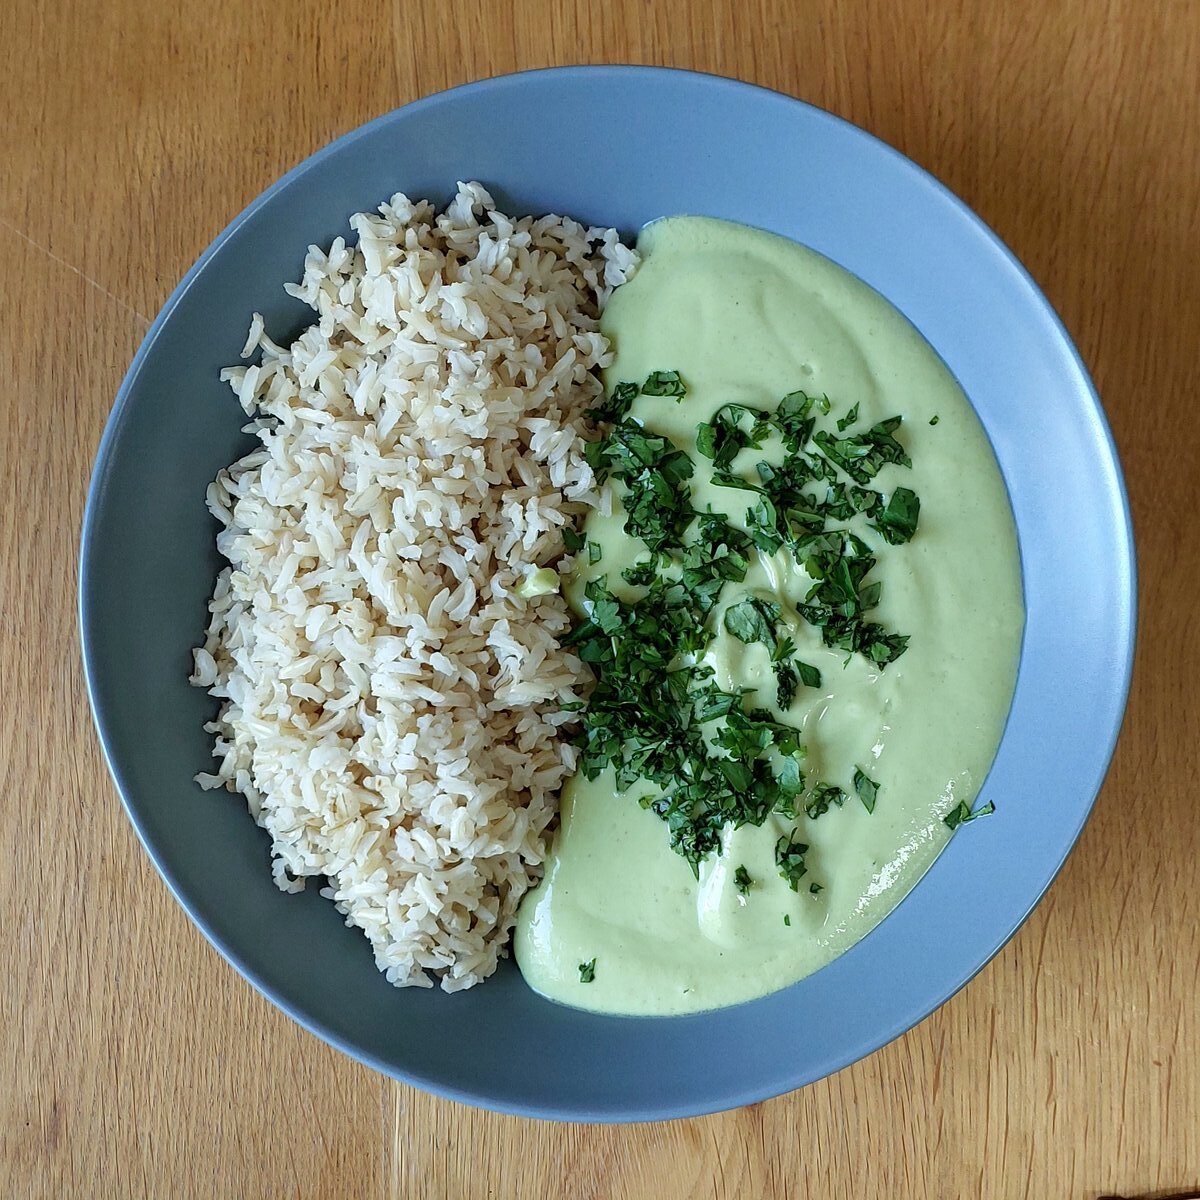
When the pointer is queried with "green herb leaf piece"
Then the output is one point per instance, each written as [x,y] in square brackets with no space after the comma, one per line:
[722,436]
[866,788]
[717,556]
[752,620]
[617,405]
[655,473]
[587,971]
[824,796]
[863,455]
[641,574]
[898,520]
[809,675]
[606,610]
[786,679]
[961,814]
[794,419]
[664,383]
[790,779]
[706,441]
[742,881]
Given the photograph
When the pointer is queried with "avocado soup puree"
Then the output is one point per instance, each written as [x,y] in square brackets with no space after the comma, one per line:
[804,617]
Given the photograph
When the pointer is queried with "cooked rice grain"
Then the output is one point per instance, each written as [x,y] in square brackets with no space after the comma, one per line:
[392,708]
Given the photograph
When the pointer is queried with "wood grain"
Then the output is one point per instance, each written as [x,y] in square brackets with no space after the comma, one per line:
[133,1062]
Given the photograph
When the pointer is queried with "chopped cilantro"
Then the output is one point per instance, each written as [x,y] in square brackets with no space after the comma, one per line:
[752,620]
[898,520]
[866,788]
[840,596]
[616,405]
[790,672]
[816,888]
[652,714]
[934,419]
[595,553]
[794,419]
[664,383]
[755,620]
[587,971]
[606,610]
[786,678]
[789,857]
[762,523]
[864,455]
[641,573]
[719,555]
[787,920]
[961,813]
[722,436]
[786,512]
[790,780]
[656,714]
[824,796]
[809,675]
[572,542]
[655,474]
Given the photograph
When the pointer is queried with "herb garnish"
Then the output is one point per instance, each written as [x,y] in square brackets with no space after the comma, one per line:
[789,856]
[755,620]
[961,813]
[752,620]
[866,788]
[809,675]
[788,512]
[617,405]
[862,456]
[656,714]
[587,971]
[664,383]
[898,520]
[824,796]
[655,473]
[719,555]
[721,437]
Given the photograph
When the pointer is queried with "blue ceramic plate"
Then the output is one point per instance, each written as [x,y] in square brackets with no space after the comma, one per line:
[614,146]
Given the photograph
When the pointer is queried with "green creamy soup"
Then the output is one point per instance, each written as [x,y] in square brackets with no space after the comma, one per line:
[620,923]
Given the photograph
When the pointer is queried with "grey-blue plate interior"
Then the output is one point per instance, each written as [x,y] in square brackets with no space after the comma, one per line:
[614,146]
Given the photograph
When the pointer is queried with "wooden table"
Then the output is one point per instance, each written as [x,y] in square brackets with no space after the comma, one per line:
[133,1061]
